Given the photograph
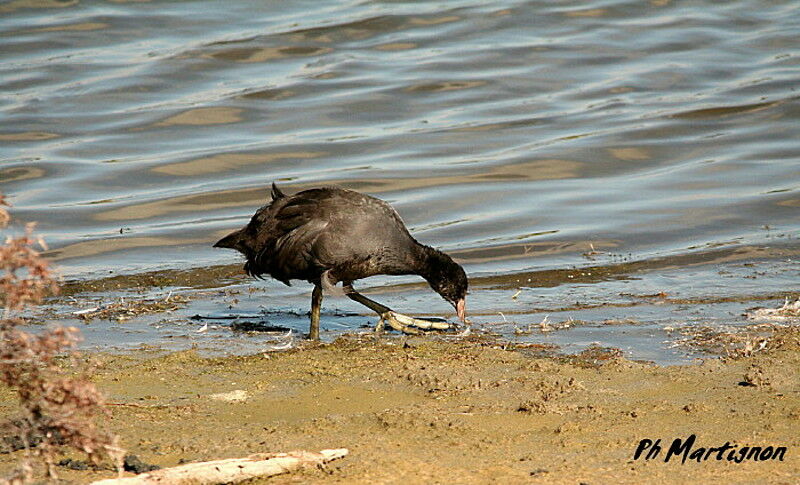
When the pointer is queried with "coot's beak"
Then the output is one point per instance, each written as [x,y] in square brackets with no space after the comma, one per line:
[461,310]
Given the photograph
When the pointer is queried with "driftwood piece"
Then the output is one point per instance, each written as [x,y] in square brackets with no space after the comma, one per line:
[233,470]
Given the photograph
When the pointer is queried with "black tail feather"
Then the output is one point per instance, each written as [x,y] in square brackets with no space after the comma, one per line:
[276,192]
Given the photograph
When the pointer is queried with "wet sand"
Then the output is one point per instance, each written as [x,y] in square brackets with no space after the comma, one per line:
[445,410]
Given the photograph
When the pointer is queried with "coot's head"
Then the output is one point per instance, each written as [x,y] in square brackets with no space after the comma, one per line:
[448,278]
[237,240]
[247,241]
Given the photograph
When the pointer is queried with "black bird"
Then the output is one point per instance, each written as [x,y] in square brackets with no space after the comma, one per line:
[330,235]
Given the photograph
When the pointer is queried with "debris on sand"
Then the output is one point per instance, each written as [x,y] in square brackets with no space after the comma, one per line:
[732,342]
[546,326]
[238,395]
[789,311]
[131,463]
[125,309]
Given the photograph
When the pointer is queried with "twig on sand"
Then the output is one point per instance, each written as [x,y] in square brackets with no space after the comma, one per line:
[233,470]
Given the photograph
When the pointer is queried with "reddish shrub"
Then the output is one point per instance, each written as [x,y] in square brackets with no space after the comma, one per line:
[60,406]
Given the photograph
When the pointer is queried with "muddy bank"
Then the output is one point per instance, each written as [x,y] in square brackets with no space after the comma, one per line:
[473,410]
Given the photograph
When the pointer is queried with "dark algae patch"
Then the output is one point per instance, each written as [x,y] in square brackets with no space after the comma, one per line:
[191,278]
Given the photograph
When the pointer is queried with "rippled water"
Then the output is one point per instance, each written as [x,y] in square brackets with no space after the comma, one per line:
[525,138]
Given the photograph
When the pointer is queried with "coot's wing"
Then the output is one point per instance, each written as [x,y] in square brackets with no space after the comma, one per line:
[299,224]
[335,229]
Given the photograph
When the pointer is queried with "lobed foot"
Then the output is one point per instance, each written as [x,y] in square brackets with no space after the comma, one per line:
[409,325]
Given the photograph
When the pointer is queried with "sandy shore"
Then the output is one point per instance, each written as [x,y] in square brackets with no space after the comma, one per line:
[431,410]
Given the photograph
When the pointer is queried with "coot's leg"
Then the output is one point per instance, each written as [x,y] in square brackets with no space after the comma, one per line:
[386,313]
[316,304]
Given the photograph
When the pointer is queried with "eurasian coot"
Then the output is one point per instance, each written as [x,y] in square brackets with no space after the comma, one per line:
[330,235]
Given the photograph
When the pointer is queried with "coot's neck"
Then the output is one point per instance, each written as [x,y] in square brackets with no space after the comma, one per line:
[427,261]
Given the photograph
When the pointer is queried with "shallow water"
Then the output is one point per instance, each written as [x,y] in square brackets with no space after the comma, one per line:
[643,139]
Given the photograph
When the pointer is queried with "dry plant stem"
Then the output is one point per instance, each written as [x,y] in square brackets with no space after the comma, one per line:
[233,470]
[4,217]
